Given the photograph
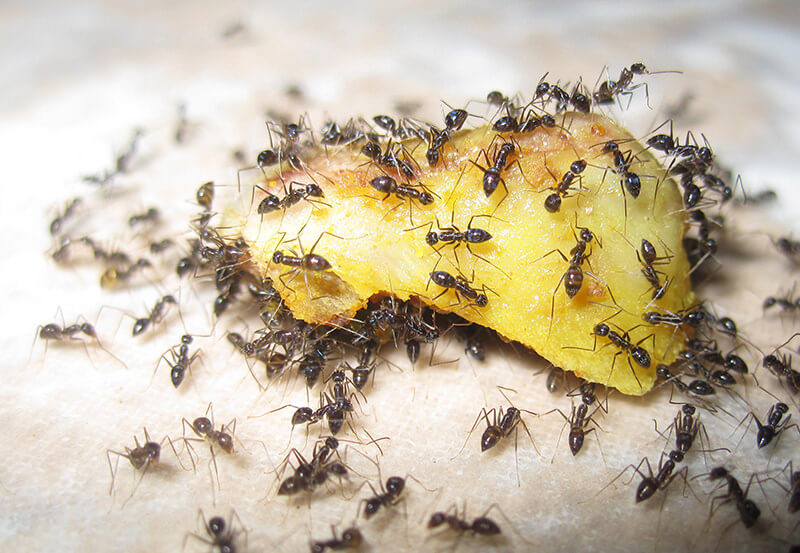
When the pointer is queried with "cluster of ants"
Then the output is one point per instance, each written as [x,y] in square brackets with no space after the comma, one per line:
[342,360]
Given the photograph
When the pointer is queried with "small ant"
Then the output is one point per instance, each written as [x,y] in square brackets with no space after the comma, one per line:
[156,314]
[220,535]
[552,203]
[160,246]
[180,360]
[782,368]
[205,195]
[748,510]
[304,263]
[774,426]
[649,259]
[460,285]
[351,539]
[203,427]
[113,276]
[695,387]
[492,174]
[387,185]
[388,496]
[458,522]
[58,222]
[141,457]
[577,421]
[309,475]
[150,216]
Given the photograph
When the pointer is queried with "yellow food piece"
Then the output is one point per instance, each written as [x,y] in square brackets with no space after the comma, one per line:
[377,246]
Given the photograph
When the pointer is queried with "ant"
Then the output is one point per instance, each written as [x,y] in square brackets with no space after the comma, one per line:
[774,426]
[351,539]
[638,354]
[649,260]
[695,387]
[305,262]
[782,367]
[748,510]
[453,236]
[309,475]
[460,285]
[150,216]
[578,422]
[220,535]
[786,302]
[691,317]
[458,522]
[156,314]
[203,427]
[573,277]
[160,246]
[121,164]
[74,332]
[297,192]
[113,276]
[388,496]
[205,195]
[141,457]
[387,185]
[552,203]
[481,525]
[492,173]
[58,222]
[180,359]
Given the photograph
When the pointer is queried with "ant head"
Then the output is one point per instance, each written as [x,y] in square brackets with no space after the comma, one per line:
[395,485]
[437,519]
[202,425]
[216,525]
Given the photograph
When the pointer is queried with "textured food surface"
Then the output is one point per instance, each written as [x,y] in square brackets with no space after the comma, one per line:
[376,243]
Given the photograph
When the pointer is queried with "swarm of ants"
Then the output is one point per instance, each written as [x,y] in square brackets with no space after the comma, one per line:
[340,364]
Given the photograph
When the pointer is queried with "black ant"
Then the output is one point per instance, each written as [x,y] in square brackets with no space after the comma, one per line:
[150,216]
[481,525]
[220,535]
[141,457]
[203,427]
[782,368]
[649,260]
[309,475]
[304,263]
[458,522]
[114,276]
[624,344]
[388,496]
[787,303]
[492,173]
[695,387]
[748,510]
[573,277]
[351,539]
[555,378]
[774,426]
[58,222]
[578,421]
[160,246]
[453,236]
[366,365]
[181,361]
[297,192]
[121,164]
[387,185]
[460,285]
[552,203]
[156,314]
